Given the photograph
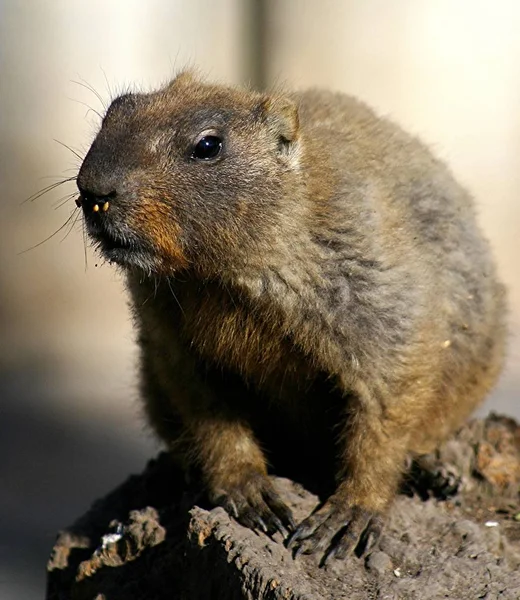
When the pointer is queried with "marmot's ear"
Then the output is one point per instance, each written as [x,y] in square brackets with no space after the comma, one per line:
[281,116]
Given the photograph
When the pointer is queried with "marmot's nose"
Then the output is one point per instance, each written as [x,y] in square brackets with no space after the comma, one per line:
[92,203]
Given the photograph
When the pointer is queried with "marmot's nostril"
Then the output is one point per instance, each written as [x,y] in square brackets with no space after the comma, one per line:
[91,202]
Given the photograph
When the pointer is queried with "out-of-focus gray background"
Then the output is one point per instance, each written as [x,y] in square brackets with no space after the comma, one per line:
[70,428]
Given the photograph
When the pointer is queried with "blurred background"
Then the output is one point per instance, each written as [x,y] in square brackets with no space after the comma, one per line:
[70,425]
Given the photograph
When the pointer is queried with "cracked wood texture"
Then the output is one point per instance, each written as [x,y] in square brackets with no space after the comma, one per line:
[152,538]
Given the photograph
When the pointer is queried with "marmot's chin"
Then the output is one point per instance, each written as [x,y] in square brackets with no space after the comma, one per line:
[132,260]
[127,254]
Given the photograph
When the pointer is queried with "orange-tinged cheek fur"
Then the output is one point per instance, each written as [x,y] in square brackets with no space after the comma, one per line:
[153,220]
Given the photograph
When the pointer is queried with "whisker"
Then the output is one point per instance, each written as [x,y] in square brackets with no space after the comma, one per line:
[47,189]
[88,106]
[87,86]
[63,200]
[154,292]
[107,82]
[70,149]
[71,227]
[175,297]
[85,243]
[56,176]
[52,235]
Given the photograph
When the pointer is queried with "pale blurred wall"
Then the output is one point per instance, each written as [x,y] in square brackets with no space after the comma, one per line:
[447,70]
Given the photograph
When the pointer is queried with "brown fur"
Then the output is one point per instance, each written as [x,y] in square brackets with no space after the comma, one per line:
[318,298]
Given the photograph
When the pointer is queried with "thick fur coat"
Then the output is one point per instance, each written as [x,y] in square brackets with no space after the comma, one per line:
[316,300]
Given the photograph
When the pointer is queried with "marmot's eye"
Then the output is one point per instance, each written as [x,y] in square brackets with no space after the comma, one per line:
[207,148]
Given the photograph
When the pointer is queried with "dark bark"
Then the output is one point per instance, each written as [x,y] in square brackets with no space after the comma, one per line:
[165,545]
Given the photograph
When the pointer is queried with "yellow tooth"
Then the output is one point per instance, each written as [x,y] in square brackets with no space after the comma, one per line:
[105,206]
[95,208]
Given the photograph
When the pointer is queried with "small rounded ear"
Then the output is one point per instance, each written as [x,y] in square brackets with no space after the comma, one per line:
[281,116]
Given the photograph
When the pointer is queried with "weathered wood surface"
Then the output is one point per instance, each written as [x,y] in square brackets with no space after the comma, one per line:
[151,539]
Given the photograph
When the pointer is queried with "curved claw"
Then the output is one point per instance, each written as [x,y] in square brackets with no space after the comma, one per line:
[281,511]
[251,518]
[255,504]
[274,525]
[336,531]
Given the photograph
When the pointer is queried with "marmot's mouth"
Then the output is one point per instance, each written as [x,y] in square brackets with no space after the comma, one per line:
[126,252]
[112,238]
[118,244]
[108,244]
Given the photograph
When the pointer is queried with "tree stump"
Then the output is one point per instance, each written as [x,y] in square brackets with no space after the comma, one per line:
[152,538]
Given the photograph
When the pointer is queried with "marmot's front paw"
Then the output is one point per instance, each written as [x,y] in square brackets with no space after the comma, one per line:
[429,476]
[255,504]
[336,530]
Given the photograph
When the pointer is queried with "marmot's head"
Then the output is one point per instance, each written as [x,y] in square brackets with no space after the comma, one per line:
[189,176]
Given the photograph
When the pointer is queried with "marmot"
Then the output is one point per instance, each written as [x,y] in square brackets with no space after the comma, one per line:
[311,291]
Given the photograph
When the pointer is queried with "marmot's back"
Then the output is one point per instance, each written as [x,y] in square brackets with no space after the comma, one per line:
[421,220]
